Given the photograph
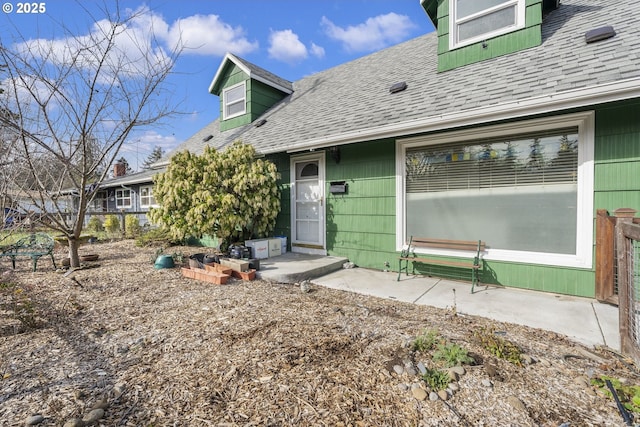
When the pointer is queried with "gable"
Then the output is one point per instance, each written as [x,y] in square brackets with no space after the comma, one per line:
[245,91]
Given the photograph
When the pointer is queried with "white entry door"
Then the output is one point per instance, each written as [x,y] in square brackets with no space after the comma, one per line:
[307,204]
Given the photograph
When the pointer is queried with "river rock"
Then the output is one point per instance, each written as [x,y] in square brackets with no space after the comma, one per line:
[442,394]
[487,383]
[34,419]
[398,369]
[516,403]
[419,393]
[433,396]
[74,422]
[93,416]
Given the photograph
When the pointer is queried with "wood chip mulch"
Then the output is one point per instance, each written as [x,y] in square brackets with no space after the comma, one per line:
[149,347]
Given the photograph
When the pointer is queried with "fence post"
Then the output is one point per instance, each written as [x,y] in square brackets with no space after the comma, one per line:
[605,257]
[626,299]
[123,226]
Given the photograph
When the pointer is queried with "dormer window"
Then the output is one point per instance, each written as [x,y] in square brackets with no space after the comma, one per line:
[473,21]
[234,100]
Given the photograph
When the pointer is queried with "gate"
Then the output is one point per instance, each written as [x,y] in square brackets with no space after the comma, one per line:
[628,262]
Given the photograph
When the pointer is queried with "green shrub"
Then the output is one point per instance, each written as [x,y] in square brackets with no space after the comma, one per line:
[436,379]
[629,395]
[132,226]
[499,347]
[95,224]
[112,224]
[425,341]
[452,355]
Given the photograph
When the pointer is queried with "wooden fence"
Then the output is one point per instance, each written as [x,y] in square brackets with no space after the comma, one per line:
[628,261]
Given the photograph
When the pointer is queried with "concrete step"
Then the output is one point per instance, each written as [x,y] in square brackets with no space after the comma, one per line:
[293,267]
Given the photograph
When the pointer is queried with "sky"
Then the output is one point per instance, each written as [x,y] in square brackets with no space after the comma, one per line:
[290,38]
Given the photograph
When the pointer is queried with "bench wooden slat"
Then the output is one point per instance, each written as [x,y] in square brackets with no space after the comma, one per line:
[441,262]
[473,262]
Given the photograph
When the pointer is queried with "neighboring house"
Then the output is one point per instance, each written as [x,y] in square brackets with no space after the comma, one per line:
[125,193]
[507,125]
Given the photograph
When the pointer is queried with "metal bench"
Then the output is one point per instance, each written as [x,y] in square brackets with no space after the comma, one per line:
[472,263]
[33,246]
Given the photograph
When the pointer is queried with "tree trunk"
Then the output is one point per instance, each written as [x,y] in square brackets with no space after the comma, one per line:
[74,259]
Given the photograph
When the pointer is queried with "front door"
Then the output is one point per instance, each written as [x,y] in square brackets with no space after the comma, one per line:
[307,204]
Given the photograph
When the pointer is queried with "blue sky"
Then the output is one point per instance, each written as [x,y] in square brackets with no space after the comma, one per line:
[291,38]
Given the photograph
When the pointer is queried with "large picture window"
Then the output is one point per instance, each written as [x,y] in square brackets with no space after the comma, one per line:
[523,191]
[234,101]
[476,20]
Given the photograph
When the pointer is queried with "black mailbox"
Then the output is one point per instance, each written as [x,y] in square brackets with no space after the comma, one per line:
[338,187]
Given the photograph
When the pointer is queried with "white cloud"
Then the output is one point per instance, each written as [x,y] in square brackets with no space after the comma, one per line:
[144,40]
[317,51]
[374,34]
[208,35]
[134,50]
[144,143]
[285,46]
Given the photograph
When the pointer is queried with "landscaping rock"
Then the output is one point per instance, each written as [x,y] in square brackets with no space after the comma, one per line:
[453,387]
[74,422]
[398,369]
[516,403]
[433,396]
[93,416]
[422,368]
[34,419]
[419,393]
[487,383]
[442,394]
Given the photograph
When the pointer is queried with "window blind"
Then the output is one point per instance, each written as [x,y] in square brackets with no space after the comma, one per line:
[526,160]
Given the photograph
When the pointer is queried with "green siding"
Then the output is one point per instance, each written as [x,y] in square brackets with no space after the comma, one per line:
[261,97]
[617,156]
[361,223]
[525,38]
[283,221]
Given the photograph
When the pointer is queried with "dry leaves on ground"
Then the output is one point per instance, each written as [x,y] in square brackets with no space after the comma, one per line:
[151,348]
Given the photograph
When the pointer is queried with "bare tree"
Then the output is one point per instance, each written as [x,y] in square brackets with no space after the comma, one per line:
[76,99]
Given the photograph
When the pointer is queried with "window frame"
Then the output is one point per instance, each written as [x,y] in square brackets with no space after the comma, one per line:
[119,196]
[585,122]
[149,196]
[454,43]
[225,104]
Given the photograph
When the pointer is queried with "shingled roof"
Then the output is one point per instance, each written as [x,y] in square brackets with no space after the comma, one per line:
[352,103]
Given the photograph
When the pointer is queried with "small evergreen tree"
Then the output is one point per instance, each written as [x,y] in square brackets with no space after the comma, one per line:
[229,194]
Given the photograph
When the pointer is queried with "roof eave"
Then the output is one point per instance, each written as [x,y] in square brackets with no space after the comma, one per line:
[570,99]
[214,87]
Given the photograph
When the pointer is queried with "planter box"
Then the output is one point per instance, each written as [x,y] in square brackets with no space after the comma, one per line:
[189,273]
[205,276]
[244,275]
[214,266]
[235,264]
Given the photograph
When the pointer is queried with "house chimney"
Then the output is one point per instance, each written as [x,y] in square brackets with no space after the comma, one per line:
[119,169]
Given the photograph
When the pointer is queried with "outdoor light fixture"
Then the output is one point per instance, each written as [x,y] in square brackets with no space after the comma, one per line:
[207,138]
[334,152]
